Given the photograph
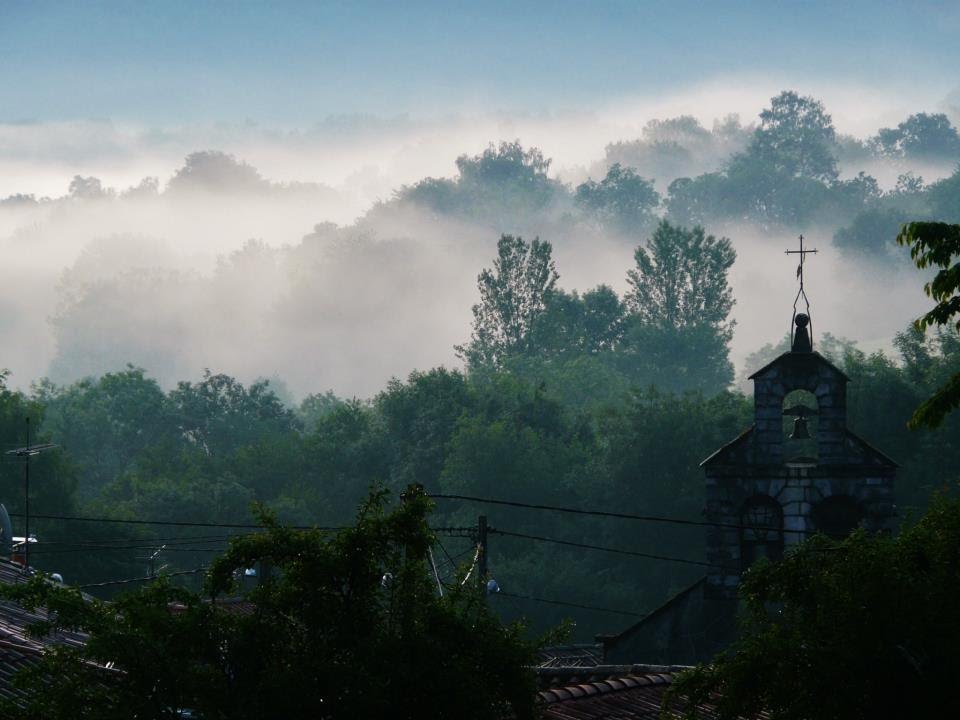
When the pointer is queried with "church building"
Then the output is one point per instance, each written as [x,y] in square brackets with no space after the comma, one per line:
[799,469]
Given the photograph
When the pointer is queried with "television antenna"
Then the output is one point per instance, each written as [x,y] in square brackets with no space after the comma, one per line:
[26,452]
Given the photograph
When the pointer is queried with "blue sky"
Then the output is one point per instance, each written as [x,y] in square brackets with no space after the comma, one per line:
[293,63]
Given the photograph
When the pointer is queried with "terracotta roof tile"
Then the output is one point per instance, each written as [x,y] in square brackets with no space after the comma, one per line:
[633,694]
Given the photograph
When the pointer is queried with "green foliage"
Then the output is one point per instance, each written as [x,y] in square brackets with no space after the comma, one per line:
[106,423]
[882,609]
[679,303]
[796,138]
[502,184]
[622,201]
[923,136]
[345,626]
[871,234]
[944,198]
[937,245]
[681,279]
[512,296]
[573,325]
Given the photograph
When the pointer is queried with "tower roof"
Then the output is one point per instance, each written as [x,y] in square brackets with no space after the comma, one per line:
[796,358]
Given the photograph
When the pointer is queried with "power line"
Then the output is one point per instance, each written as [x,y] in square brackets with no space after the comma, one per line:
[173,523]
[181,523]
[139,579]
[607,513]
[91,548]
[569,604]
[619,551]
[135,539]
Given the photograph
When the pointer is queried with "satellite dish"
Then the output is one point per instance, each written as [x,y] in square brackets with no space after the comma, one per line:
[57,578]
[492,587]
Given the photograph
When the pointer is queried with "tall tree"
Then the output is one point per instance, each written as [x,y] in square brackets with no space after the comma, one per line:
[680,301]
[681,279]
[513,294]
[937,245]
[796,137]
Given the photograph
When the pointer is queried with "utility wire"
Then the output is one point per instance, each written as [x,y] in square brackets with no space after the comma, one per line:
[60,551]
[619,551]
[173,523]
[569,604]
[621,516]
[139,579]
[134,539]
[178,523]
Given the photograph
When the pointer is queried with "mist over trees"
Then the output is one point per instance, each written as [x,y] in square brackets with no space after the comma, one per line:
[214,341]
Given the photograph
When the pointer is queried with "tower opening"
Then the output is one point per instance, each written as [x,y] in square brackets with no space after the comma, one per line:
[800,429]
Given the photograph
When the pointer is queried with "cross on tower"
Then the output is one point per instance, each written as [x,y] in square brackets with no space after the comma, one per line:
[802,252]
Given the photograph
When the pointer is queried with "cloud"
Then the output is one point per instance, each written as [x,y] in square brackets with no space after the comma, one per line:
[175,285]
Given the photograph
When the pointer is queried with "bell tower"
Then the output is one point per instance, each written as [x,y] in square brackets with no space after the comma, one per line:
[799,469]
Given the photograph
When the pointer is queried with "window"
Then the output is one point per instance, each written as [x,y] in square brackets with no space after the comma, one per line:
[800,426]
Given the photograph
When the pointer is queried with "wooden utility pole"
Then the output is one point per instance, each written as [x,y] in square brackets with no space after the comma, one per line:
[482,542]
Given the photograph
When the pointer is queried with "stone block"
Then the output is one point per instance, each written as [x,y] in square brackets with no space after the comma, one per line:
[793,508]
[793,492]
[794,522]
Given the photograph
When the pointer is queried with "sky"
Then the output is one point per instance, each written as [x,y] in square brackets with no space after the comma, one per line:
[295,63]
[362,98]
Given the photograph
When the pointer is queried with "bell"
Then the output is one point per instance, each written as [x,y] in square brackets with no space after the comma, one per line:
[800,431]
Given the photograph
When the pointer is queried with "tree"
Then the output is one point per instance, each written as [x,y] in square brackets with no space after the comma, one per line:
[623,200]
[796,138]
[348,625]
[500,185]
[881,608]
[213,171]
[88,188]
[937,245]
[218,414]
[868,237]
[106,423]
[420,417]
[681,279]
[921,136]
[574,325]
[679,303]
[944,198]
[694,201]
[512,296]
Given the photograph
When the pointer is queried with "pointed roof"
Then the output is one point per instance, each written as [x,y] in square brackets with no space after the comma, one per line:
[792,356]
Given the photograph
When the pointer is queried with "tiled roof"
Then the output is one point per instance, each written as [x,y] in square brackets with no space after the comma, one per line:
[629,696]
[613,693]
[17,648]
[568,656]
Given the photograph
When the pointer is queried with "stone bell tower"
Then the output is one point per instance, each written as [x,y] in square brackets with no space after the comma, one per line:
[797,470]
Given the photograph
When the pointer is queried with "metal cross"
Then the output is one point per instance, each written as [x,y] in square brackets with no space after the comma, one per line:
[802,252]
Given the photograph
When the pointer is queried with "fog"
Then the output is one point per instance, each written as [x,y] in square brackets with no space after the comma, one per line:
[261,283]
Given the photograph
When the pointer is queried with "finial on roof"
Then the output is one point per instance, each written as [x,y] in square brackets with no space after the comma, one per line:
[805,345]
[801,339]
